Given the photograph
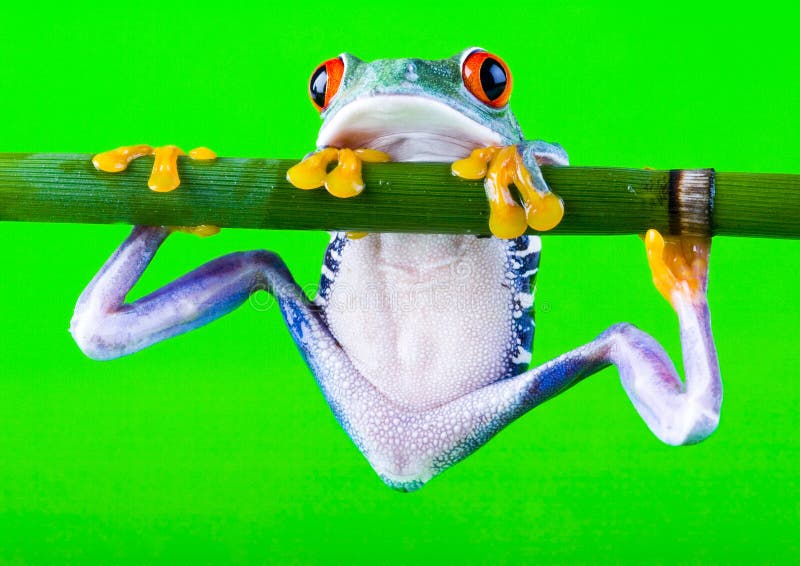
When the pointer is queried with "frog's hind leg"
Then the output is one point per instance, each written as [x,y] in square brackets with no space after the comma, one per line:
[105,326]
[408,447]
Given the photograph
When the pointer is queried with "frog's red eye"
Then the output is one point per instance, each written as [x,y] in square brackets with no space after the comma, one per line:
[325,82]
[487,77]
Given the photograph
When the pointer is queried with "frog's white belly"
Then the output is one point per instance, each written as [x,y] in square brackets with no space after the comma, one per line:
[425,318]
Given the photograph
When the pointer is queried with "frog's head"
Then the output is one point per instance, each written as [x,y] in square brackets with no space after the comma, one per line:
[413,109]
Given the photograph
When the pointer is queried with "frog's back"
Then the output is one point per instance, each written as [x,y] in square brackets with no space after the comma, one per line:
[428,318]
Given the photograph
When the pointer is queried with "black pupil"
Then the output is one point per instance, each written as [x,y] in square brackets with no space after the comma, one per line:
[319,82]
[493,78]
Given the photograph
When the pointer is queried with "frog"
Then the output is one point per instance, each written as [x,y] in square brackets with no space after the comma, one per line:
[422,343]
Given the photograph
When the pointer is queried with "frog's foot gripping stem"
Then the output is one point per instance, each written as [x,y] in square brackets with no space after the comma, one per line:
[679,265]
[344,180]
[164,176]
[517,165]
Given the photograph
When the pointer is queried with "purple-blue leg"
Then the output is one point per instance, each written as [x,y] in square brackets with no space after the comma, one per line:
[105,326]
[407,448]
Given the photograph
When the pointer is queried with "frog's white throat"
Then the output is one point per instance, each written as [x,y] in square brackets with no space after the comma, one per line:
[408,128]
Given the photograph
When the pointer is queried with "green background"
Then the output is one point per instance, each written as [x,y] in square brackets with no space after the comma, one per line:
[218,447]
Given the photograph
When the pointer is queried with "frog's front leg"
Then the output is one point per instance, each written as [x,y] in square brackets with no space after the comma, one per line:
[105,326]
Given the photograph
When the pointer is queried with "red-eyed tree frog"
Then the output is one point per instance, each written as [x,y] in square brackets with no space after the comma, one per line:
[421,344]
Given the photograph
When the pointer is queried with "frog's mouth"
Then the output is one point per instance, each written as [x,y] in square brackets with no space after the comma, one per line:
[408,128]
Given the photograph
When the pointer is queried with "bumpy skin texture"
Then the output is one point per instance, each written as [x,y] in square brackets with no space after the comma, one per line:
[420,344]
[406,445]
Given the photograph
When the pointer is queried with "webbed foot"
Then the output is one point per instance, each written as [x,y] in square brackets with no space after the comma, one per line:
[344,180]
[679,265]
[201,231]
[501,167]
[164,176]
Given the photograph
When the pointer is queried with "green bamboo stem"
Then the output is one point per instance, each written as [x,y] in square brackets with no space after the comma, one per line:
[400,197]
